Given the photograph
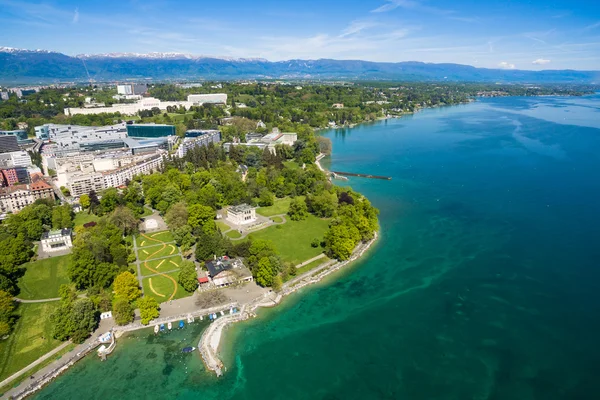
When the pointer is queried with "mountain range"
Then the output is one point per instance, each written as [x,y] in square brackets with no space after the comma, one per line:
[42,66]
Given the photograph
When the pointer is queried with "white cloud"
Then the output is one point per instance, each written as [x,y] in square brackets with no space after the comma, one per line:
[410,5]
[76,16]
[540,61]
[505,65]
[357,27]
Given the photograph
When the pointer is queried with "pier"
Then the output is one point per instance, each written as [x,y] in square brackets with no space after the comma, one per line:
[386,178]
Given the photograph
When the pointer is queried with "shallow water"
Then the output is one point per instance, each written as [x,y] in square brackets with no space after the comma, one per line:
[484,284]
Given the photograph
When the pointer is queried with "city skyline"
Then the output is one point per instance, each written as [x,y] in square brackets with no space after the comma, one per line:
[531,36]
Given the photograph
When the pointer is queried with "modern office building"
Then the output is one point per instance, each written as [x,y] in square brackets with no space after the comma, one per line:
[20,134]
[195,138]
[9,143]
[13,176]
[150,130]
[132,89]
[15,159]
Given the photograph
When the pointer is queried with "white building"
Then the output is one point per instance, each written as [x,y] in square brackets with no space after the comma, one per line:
[212,98]
[269,141]
[15,159]
[241,215]
[14,198]
[148,103]
[56,240]
[198,138]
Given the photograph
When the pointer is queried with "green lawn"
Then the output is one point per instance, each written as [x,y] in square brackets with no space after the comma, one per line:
[293,238]
[233,234]
[291,164]
[163,286]
[310,266]
[277,219]
[31,338]
[147,253]
[280,206]
[146,212]
[222,226]
[43,278]
[165,264]
[164,236]
[83,218]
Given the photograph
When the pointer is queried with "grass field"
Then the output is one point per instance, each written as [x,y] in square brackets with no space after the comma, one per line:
[164,236]
[293,238]
[233,234]
[146,212]
[291,164]
[83,218]
[280,206]
[222,226]
[43,278]
[163,286]
[165,264]
[147,253]
[30,339]
[310,266]
[277,219]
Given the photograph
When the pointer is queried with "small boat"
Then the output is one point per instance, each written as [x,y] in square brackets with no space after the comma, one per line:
[181,324]
[215,315]
[230,311]
[234,310]
[162,327]
[156,329]
[188,349]
[170,326]
[210,317]
[222,313]
[190,319]
[201,318]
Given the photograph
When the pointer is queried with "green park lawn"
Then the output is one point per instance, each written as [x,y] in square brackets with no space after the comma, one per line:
[165,264]
[280,206]
[312,265]
[293,238]
[83,217]
[146,212]
[31,337]
[164,286]
[222,226]
[291,164]
[147,253]
[43,278]
[164,236]
[277,219]
[233,234]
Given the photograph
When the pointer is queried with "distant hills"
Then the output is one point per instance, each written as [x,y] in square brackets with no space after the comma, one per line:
[42,66]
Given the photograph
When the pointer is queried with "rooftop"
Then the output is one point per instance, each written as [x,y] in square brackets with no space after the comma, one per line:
[56,233]
[240,209]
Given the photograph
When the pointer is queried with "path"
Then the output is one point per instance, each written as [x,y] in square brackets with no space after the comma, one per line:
[164,245]
[311,260]
[33,364]
[36,301]
[137,264]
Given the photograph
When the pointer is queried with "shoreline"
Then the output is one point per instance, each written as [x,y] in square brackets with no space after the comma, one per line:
[208,346]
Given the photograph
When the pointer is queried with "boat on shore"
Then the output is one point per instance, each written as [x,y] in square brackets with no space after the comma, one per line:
[181,324]
[190,319]
[156,328]
[188,349]
[162,327]
[170,326]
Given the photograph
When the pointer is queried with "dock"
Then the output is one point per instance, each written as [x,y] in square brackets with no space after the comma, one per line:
[369,176]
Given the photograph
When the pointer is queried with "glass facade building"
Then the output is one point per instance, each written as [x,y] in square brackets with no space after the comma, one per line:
[150,131]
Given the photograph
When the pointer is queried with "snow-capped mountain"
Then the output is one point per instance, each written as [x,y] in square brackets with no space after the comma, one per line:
[24,66]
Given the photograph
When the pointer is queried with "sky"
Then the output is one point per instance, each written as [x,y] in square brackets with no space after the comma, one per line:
[510,34]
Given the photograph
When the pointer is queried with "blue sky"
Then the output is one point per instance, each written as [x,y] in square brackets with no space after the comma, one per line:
[532,34]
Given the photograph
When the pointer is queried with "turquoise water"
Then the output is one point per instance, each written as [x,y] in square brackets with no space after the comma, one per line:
[484,285]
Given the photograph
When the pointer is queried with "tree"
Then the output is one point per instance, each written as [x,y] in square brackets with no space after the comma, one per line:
[266,198]
[126,286]
[122,311]
[264,272]
[340,240]
[7,306]
[125,220]
[84,200]
[85,319]
[199,215]
[277,283]
[62,217]
[298,210]
[148,309]
[188,277]
[7,285]
[177,216]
